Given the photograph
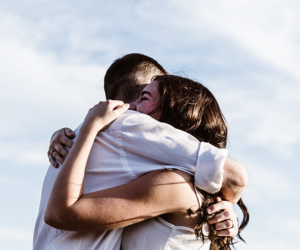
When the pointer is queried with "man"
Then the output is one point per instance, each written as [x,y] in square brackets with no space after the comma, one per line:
[120,83]
[124,80]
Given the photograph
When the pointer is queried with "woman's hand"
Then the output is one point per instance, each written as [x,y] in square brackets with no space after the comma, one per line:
[104,113]
[68,186]
[63,137]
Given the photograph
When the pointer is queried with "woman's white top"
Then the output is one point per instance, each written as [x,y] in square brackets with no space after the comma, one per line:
[158,234]
[131,146]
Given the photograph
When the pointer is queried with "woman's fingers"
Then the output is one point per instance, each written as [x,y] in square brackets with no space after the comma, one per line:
[121,109]
[104,113]
[114,104]
[117,107]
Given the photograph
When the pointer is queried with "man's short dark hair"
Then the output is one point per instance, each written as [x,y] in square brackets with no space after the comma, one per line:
[123,77]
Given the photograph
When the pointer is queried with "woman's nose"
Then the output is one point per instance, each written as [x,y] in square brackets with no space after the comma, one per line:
[132,106]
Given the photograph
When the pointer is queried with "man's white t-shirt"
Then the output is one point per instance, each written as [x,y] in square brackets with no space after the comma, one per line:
[131,146]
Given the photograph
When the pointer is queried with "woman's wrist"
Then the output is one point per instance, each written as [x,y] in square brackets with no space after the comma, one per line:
[92,125]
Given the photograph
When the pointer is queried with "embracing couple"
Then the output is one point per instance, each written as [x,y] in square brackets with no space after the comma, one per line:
[144,175]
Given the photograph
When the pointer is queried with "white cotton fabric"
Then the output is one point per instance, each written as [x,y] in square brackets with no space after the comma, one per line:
[133,145]
[156,233]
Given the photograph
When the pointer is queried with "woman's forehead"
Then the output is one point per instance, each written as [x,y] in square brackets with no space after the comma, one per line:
[152,87]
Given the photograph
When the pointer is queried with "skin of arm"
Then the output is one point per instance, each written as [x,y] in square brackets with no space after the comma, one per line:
[67,209]
[235,180]
[152,195]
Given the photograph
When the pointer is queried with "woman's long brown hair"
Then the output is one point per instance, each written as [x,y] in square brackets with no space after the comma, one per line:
[191,107]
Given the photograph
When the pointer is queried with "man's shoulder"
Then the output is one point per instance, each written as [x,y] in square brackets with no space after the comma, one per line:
[133,123]
[134,118]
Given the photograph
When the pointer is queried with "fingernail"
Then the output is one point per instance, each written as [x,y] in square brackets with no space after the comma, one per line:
[208,211]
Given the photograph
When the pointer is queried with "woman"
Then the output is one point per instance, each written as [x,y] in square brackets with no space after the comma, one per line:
[158,101]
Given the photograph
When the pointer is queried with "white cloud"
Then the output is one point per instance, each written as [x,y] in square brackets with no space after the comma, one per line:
[262,101]
[8,181]
[263,110]
[35,84]
[24,153]
[269,33]
[256,240]
[246,51]
[15,234]
[33,157]
[285,225]
[268,185]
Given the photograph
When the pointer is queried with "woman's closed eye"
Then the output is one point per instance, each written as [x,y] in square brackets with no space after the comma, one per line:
[143,98]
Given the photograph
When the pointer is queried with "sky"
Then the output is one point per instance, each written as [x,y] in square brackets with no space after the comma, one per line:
[53,57]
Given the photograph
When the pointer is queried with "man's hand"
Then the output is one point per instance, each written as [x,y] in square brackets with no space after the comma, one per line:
[225,223]
[59,140]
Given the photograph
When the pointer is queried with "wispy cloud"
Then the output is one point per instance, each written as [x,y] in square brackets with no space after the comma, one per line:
[268,34]
[14,234]
[8,181]
[272,183]
[36,83]
[11,238]
[256,240]
[53,56]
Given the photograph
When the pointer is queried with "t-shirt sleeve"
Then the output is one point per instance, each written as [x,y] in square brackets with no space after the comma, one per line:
[142,135]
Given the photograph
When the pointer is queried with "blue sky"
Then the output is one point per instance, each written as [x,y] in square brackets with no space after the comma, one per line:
[53,57]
